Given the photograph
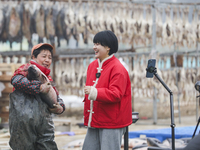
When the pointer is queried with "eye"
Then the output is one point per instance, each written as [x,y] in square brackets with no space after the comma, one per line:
[96,44]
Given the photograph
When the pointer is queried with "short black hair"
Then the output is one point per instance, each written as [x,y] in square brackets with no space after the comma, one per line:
[43,47]
[107,38]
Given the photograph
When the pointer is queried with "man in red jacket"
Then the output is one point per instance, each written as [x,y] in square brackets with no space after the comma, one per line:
[107,103]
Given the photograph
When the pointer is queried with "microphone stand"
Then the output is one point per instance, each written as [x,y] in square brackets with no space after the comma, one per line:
[154,71]
[196,128]
[197,122]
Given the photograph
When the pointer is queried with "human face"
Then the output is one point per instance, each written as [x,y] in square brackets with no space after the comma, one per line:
[101,52]
[44,58]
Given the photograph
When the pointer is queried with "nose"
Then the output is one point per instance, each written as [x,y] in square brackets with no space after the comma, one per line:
[94,47]
[47,59]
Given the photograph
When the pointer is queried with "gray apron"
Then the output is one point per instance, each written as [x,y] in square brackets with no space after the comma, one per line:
[30,123]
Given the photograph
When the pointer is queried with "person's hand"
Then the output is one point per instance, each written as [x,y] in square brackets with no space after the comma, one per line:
[45,87]
[87,89]
[57,109]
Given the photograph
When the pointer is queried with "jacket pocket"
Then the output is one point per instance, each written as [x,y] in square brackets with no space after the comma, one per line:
[107,113]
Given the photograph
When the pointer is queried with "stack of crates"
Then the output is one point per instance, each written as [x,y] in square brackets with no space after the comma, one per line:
[6,72]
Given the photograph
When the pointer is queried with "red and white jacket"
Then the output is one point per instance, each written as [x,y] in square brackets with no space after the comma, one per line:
[109,103]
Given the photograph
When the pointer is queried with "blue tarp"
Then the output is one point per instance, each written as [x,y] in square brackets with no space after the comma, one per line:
[162,134]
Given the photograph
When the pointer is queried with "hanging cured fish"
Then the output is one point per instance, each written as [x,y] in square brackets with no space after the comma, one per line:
[3,35]
[58,28]
[14,25]
[69,21]
[26,24]
[50,24]
[1,20]
[63,30]
[39,22]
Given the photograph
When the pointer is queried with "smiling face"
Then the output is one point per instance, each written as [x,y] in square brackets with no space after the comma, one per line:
[44,58]
[101,52]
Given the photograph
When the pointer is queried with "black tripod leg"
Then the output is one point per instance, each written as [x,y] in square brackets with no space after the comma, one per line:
[126,139]
[196,127]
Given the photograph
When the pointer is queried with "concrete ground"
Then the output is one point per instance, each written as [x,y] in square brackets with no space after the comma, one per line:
[64,141]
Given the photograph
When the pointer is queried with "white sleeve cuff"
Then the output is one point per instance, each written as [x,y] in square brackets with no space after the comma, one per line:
[93,93]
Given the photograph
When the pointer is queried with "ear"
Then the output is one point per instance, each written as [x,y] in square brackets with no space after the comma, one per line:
[108,50]
[33,57]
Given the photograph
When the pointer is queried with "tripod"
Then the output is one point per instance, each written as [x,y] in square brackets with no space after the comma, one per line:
[196,128]
[154,71]
[197,87]
[197,121]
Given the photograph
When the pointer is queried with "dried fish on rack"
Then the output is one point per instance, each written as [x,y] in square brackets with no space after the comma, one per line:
[50,21]
[130,21]
[3,35]
[69,20]
[81,22]
[167,30]
[159,24]
[148,25]
[60,25]
[26,24]
[2,20]
[197,22]
[14,24]
[39,23]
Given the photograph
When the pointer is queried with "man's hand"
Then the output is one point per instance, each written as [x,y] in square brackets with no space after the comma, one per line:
[57,109]
[45,87]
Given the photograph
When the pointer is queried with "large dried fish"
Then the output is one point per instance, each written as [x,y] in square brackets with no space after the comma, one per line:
[40,23]
[26,24]
[61,25]
[75,31]
[50,24]
[81,22]
[58,28]
[159,24]
[167,30]
[69,21]
[2,20]
[3,32]
[14,25]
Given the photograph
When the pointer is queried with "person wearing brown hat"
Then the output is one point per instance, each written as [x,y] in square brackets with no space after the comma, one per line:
[30,122]
[107,102]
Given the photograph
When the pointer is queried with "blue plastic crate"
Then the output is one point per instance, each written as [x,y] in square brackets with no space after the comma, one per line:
[162,134]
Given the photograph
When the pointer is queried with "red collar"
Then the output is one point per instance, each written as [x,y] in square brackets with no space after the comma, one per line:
[46,71]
